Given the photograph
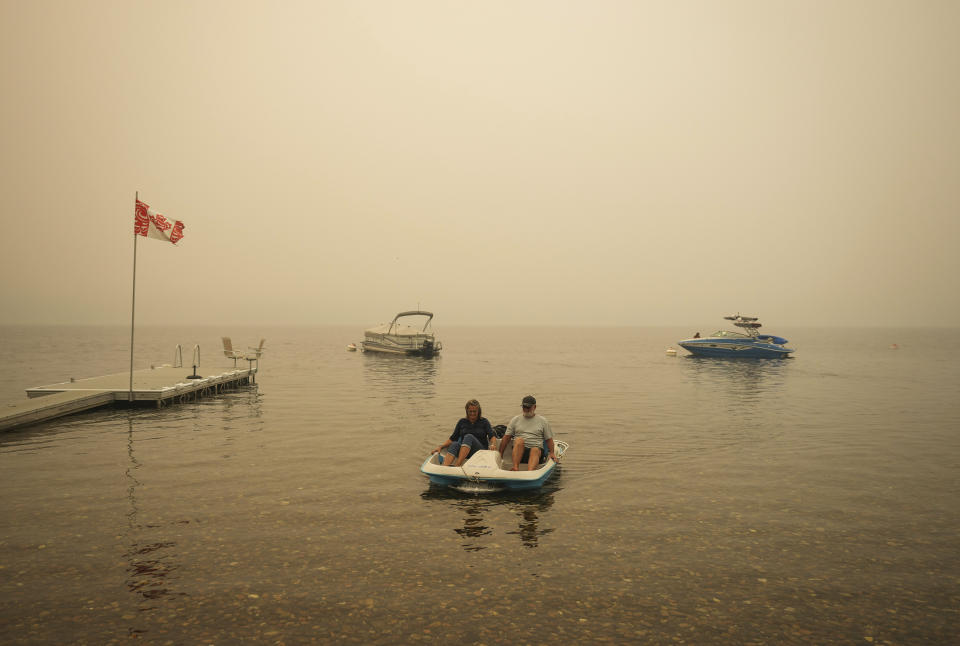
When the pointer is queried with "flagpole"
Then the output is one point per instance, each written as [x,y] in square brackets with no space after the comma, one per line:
[133,301]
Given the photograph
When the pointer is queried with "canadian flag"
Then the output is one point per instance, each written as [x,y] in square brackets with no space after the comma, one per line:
[151,224]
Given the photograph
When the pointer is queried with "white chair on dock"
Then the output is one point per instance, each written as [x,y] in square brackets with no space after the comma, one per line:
[254,354]
[229,352]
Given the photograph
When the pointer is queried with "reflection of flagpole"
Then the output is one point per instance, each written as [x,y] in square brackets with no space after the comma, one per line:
[133,301]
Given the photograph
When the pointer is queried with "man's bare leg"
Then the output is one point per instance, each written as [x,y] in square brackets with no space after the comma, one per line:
[534,459]
[517,453]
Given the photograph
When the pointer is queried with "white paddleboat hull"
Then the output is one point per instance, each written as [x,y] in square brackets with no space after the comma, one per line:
[489,468]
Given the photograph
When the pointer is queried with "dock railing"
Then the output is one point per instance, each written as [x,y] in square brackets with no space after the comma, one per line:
[196,363]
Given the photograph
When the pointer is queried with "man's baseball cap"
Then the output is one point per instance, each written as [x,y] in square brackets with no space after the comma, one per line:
[529,400]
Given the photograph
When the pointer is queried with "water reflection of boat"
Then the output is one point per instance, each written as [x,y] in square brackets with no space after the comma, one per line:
[478,533]
[727,343]
[474,526]
[751,378]
[399,379]
[488,468]
[529,527]
[397,338]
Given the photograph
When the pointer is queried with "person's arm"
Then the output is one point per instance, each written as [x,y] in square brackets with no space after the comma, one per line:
[504,440]
[453,436]
[491,436]
[511,426]
[548,436]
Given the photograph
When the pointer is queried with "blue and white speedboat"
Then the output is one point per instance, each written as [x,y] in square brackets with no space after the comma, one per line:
[749,343]
[488,469]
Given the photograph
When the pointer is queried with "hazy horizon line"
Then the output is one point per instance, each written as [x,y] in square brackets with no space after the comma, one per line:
[437,329]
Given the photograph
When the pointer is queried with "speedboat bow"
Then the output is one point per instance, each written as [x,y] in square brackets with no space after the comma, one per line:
[749,343]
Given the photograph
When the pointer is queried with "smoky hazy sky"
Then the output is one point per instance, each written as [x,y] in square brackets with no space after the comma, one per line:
[497,162]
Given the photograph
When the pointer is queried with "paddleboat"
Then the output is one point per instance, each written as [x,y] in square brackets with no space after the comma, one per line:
[489,468]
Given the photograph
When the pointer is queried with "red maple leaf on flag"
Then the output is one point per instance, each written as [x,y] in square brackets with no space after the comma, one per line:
[161,222]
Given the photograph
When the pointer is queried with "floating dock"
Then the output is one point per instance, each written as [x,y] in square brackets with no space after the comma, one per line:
[158,386]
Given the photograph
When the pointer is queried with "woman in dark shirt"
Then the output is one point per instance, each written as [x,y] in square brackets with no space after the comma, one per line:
[471,434]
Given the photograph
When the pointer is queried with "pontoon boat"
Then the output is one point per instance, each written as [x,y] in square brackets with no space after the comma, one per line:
[394,338]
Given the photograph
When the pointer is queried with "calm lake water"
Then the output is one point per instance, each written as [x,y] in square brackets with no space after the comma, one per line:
[806,501]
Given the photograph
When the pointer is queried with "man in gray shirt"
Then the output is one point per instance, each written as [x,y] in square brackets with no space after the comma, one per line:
[529,432]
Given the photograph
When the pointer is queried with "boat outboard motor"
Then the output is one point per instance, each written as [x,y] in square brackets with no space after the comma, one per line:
[427,348]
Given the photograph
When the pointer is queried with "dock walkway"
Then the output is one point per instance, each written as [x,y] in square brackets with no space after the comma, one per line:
[159,386]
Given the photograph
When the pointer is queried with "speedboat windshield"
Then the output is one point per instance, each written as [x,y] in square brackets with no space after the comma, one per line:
[730,333]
